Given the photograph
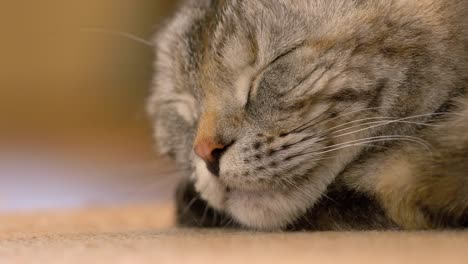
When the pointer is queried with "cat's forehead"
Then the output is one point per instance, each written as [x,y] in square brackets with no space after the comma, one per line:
[212,43]
[248,32]
[215,48]
[232,31]
[241,40]
[235,34]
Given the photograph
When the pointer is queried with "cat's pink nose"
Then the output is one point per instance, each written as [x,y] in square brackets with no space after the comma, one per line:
[208,149]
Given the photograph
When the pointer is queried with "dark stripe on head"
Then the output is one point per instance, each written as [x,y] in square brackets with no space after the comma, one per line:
[379,92]
[350,95]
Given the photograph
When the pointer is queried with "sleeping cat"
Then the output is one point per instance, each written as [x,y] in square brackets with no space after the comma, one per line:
[316,114]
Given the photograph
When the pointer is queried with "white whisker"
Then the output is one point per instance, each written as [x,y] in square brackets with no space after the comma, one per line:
[119,34]
[323,122]
[388,119]
[383,123]
[365,141]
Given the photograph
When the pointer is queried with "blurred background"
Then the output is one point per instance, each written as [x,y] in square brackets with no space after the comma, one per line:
[73,129]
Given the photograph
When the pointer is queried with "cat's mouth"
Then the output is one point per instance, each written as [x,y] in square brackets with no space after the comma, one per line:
[259,208]
[258,204]
[253,208]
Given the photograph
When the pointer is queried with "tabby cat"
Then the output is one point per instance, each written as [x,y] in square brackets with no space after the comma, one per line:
[316,114]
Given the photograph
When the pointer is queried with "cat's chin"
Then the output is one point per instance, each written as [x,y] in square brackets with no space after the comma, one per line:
[264,210]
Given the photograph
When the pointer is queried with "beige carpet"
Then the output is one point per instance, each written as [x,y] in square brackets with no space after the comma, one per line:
[146,235]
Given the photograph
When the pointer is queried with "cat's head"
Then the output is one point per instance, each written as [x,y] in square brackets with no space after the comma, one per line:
[268,101]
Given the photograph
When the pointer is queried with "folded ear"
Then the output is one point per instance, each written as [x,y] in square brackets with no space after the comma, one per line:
[174,134]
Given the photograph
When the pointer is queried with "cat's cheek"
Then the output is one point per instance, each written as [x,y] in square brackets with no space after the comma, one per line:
[209,187]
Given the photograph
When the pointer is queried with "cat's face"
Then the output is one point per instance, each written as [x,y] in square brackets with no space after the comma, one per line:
[267,103]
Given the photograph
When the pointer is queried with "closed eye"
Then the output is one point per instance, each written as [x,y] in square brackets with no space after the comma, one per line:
[288,52]
[257,77]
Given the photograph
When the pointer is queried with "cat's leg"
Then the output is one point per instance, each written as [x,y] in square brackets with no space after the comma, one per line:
[421,188]
[344,209]
[421,194]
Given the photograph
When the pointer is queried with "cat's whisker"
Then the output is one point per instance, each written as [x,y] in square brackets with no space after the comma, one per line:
[215,218]
[348,114]
[325,135]
[312,160]
[308,124]
[228,223]
[205,212]
[312,122]
[416,139]
[119,34]
[156,184]
[384,139]
[365,141]
[306,218]
[190,204]
[300,141]
[323,122]
[291,183]
[333,176]
[321,116]
[198,196]
[390,119]
[401,120]
[371,118]
[150,185]
[386,119]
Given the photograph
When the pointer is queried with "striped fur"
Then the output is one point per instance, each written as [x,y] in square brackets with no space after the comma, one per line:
[331,110]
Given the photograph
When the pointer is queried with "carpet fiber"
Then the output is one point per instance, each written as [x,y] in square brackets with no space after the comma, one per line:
[146,235]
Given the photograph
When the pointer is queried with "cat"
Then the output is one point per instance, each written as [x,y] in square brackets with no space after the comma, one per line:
[316,114]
